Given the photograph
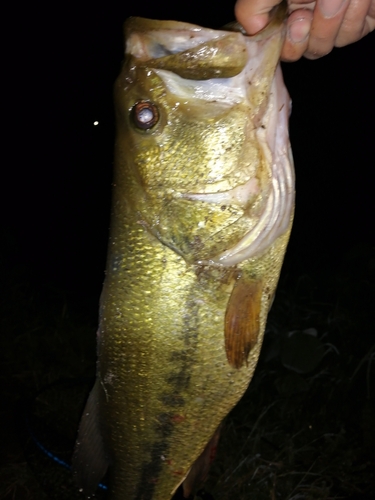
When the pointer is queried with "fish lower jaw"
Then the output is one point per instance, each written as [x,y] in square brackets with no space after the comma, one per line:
[241,195]
[256,242]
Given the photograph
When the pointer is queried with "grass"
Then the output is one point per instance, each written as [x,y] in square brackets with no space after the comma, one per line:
[303,430]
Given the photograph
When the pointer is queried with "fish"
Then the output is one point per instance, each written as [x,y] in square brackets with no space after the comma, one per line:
[203,203]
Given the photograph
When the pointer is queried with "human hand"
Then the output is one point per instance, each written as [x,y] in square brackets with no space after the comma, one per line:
[314,27]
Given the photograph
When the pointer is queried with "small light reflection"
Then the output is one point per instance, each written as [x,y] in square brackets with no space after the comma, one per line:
[96,123]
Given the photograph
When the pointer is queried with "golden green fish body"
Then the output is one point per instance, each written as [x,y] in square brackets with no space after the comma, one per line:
[163,365]
[202,211]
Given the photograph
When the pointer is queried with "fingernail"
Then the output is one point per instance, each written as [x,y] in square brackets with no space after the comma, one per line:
[299,30]
[330,8]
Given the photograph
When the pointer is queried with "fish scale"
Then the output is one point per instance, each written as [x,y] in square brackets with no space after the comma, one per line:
[178,371]
[180,358]
[190,278]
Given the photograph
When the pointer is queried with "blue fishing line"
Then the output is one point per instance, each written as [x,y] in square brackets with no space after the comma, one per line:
[49,454]
[54,457]
[44,450]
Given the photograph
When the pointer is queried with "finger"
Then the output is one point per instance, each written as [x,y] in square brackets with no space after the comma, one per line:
[327,21]
[357,22]
[297,35]
[253,15]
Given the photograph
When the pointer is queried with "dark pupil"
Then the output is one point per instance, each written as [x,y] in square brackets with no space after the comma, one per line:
[145,115]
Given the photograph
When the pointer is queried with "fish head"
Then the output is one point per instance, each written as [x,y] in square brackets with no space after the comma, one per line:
[197,143]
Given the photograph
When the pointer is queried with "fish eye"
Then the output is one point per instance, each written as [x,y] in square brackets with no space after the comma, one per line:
[145,115]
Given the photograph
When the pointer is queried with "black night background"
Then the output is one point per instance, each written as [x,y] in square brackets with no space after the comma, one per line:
[311,429]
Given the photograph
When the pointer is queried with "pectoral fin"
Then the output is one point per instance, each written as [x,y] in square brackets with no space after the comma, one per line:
[242,320]
[90,461]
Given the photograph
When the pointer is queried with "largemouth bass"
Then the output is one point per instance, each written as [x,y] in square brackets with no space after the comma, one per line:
[202,210]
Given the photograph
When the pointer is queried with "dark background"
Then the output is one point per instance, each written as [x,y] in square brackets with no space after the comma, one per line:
[60,61]
[63,62]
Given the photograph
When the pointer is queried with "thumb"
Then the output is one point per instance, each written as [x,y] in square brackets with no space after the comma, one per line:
[253,14]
